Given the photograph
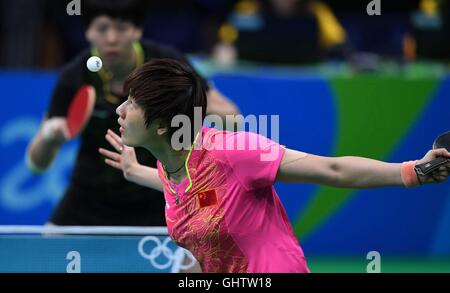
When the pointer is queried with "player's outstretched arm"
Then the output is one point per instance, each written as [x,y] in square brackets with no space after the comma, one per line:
[124,159]
[356,172]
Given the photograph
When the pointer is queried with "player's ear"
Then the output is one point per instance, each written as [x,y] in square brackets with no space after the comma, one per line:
[161,127]
[89,35]
[162,130]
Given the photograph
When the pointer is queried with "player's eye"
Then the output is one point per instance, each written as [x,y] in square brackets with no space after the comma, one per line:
[102,28]
[122,28]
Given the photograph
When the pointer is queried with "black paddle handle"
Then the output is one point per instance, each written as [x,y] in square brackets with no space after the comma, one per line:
[426,168]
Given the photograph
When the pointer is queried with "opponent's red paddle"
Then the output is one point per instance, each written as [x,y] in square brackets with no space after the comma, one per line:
[80,110]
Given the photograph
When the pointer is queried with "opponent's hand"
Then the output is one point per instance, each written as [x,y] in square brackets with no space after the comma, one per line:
[438,175]
[55,130]
[124,158]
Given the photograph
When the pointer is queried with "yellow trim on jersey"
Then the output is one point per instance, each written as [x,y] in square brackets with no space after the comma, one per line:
[186,166]
[139,51]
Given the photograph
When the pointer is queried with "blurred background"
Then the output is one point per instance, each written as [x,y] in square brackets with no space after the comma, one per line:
[38,34]
[341,81]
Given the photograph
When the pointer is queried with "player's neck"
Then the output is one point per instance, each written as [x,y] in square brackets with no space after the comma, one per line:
[120,70]
[173,162]
[174,165]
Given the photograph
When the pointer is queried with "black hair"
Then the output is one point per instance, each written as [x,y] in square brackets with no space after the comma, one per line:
[164,88]
[133,11]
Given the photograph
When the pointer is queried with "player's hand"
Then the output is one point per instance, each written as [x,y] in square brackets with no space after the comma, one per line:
[124,158]
[438,175]
[55,130]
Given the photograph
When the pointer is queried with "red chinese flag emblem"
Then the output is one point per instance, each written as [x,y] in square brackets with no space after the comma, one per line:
[207,198]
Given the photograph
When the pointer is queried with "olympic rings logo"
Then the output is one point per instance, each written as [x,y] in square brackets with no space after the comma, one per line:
[161,251]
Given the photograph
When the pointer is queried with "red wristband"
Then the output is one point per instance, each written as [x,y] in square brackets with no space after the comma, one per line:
[409,176]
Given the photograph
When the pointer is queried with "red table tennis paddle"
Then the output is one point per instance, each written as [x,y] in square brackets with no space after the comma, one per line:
[442,141]
[80,110]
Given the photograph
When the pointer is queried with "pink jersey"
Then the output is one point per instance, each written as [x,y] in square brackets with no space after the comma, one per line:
[227,212]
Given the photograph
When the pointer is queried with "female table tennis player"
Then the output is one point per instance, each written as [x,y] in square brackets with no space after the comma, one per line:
[220,200]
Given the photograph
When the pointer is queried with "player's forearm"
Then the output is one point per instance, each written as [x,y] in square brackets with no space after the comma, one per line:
[358,172]
[144,176]
[40,153]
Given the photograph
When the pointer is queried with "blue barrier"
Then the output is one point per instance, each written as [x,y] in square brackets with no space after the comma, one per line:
[88,254]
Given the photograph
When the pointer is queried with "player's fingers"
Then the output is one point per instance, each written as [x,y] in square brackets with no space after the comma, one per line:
[110,155]
[442,152]
[439,176]
[115,136]
[55,130]
[66,133]
[435,177]
[63,130]
[114,143]
[113,164]
[442,174]
[442,168]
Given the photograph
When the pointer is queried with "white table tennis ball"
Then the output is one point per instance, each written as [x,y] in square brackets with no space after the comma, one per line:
[94,64]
